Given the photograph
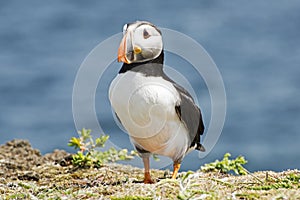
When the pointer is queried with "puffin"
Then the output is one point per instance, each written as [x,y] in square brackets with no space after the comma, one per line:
[159,115]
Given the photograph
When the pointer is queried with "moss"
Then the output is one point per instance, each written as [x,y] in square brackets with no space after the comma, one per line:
[247,196]
[17,196]
[131,198]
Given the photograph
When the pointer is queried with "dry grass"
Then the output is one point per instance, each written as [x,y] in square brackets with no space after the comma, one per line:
[124,182]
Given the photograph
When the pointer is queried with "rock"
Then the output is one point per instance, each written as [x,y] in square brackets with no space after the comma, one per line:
[29,176]
[60,157]
[19,155]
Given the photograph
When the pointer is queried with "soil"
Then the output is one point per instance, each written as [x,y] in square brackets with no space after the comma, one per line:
[26,174]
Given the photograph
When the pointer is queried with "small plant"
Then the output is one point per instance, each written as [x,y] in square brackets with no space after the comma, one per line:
[294,178]
[88,156]
[226,165]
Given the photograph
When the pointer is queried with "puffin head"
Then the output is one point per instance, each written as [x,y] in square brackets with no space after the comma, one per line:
[142,41]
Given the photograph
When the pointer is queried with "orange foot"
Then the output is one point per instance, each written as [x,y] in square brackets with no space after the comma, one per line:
[147,178]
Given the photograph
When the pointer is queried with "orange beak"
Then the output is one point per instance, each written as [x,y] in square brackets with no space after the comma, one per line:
[122,51]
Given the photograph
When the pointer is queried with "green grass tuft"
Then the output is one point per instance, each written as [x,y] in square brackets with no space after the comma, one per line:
[88,156]
[227,165]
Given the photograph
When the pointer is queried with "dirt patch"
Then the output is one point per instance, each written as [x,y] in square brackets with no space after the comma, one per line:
[17,156]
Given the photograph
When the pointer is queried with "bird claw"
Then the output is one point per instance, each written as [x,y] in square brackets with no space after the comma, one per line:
[147,179]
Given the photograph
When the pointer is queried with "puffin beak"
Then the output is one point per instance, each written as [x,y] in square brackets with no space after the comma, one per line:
[122,51]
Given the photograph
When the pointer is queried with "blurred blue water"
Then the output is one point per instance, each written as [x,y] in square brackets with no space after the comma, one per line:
[255,45]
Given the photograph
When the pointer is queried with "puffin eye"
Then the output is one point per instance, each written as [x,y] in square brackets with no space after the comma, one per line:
[146,35]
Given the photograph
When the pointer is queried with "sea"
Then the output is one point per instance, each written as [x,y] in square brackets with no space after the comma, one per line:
[254,45]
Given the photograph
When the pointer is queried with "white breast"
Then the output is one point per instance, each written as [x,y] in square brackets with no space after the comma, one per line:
[145,107]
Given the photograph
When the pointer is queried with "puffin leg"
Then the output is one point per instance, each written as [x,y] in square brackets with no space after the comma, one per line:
[147,177]
[176,167]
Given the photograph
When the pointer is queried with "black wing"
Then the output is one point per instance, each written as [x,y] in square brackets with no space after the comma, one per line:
[190,114]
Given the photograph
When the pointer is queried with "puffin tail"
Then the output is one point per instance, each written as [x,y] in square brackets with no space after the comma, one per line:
[200,147]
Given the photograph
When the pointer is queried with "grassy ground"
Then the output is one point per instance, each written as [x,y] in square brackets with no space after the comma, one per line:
[25,174]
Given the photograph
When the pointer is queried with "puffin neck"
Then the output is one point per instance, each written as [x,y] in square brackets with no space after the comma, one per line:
[156,64]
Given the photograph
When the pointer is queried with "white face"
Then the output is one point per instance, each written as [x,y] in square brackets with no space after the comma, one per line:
[141,42]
